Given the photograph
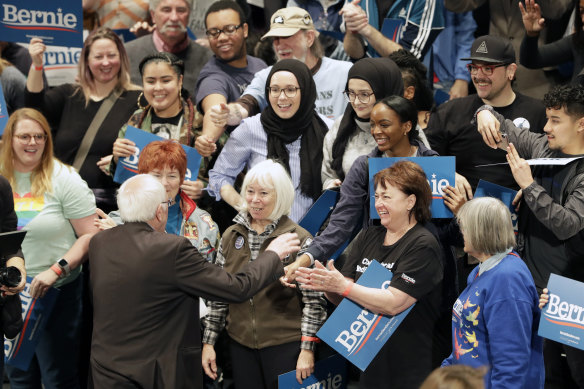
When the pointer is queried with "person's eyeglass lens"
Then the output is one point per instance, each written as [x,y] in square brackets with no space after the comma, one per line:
[289,91]
[25,138]
[363,97]
[487,69]
[227,30]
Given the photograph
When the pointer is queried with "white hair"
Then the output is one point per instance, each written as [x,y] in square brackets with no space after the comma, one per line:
[154,4]
[139,198]
[271,175]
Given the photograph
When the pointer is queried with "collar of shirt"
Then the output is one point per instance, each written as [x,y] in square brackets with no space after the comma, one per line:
[161,46]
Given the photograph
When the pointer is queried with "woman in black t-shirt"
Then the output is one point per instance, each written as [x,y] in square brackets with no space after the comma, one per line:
[412,253]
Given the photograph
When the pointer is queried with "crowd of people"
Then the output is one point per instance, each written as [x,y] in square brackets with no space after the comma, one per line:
[183,279]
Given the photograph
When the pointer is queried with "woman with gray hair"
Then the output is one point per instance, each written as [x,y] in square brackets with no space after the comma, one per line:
[275,331]
[495,319]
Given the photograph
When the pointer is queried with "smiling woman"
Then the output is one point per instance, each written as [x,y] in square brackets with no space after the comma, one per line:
[56,208]
[288,130]
[71,108]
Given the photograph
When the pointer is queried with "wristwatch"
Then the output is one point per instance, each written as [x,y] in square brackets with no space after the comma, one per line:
[64,265]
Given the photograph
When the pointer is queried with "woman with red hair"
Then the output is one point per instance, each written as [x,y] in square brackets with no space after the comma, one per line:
[167,161]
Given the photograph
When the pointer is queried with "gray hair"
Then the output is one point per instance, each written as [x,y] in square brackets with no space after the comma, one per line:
[486,225]
[154,4]
[139,198]
[272,175]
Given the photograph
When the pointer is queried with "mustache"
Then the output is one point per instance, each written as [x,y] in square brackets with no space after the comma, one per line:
[174,26]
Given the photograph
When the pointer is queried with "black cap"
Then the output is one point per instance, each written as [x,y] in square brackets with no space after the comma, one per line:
[492,49]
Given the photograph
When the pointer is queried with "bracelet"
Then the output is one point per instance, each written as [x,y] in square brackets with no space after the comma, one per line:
[57,269]
[37,68]
[309,339]
[348,290]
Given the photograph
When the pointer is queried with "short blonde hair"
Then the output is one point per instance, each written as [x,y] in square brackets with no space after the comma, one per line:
[272,175]
[486,225]
[456,377]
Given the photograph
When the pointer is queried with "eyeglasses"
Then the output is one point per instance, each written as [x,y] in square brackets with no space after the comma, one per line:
[363,97]
[289,91]
[25,138]
[487,69]
[227,30]
[167,202]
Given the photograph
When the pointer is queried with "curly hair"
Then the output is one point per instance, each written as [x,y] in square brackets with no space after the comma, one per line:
[569,96]
[414,74]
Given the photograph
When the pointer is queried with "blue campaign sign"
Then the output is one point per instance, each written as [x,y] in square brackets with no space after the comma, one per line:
[128,166]
[56,23]
[319,211]
[3,111]
[19,351]
[506,195]
[439,172]
[330,373]
[357,333]
[562,319]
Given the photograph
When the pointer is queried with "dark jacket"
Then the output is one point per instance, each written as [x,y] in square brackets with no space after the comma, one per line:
[145,287]
[258,323]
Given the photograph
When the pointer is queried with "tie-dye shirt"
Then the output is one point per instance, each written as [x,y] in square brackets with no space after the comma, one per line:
[46,218]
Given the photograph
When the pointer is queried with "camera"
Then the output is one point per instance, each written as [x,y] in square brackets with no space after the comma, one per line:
[10,276]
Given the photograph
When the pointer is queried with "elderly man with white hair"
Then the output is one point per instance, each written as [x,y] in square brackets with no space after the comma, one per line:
[145,286]
[170,18]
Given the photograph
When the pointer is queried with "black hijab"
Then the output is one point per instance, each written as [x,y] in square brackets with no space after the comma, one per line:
[305,123]
[385,80]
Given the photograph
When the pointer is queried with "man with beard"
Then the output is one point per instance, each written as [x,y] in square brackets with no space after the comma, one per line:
[294,37]
[224,78]
[170,34]
[450,131]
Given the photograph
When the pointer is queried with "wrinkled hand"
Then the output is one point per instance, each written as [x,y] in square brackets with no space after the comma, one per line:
[463,187]
[517,200]
[123,148]
[209,360]
[205,145]
[458,89]
[334,184]
[36,49]
[142,28]
[289,277]
[42,282]
[453,199]
[322,279]
[103,221]
[304,365]
[18,288]
[488,127]
[193,189]
[532,20]
[285,244]
[544,298]
[104,163]
[519,167]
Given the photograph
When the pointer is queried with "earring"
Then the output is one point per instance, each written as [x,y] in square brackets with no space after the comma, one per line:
[180,94]
[405,133]
[138,102]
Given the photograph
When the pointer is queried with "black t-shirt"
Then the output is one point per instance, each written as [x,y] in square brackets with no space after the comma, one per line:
[168,128]
[415,261]
[451,133]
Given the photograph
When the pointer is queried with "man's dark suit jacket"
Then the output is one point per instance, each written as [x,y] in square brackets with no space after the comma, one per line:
[145,287]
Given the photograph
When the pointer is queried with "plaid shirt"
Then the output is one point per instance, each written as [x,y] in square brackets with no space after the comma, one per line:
[314,305]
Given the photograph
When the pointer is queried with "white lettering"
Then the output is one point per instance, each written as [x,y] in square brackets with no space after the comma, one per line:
[346,339]
[438,186]
[13,15]
[562,310]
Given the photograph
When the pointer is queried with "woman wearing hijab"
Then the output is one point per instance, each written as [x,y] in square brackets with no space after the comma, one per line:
[288,130]
[369,80]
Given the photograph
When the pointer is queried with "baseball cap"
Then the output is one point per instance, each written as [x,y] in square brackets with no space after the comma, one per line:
[288,21]
[492,49]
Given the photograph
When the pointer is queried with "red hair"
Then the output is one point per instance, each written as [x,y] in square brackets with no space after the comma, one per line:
[162,153]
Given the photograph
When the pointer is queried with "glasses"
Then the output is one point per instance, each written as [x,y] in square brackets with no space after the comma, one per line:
[227,30]
[289,91]
[167,202]
[25,138]
[487,69]
[363,97]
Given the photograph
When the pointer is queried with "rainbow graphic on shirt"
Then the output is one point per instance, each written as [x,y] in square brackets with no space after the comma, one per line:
[27,207]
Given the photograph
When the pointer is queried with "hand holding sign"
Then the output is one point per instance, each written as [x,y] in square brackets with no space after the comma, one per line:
[36,49]
[123,148]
